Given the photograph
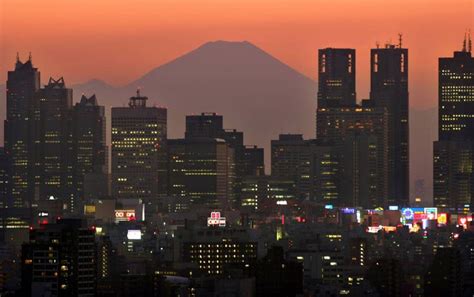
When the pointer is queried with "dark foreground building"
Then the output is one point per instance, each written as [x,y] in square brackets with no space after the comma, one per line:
[59,260]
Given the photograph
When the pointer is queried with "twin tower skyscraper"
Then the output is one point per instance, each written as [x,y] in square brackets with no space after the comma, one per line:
[375,132]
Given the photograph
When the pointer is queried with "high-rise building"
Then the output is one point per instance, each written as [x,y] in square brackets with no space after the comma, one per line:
[336,77]
[201,169]
[360,132]
[90,150]
[291,160]
[60,260]
[22,85]
[52,147]
[453,167]
[313,165]
[244,160]
[139,157]
[389,89]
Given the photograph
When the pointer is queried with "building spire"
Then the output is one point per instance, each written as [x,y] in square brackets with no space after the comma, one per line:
[400,36]
[464,43]
[17,57]
[29,57]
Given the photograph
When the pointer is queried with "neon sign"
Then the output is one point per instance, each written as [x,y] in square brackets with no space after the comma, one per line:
[216,220]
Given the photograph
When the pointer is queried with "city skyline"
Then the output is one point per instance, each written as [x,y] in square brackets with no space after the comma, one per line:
[329,151]
[304,27]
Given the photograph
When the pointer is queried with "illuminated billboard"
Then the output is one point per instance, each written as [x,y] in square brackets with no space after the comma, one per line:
[443,218]
[134,235]
[216,220]
[348,210]
[123,215]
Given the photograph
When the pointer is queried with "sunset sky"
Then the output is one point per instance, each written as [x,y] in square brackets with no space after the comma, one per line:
[118,41]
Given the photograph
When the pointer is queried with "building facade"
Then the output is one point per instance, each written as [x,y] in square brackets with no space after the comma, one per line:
[22,85]
[453,153]
[139,160]
[389,90]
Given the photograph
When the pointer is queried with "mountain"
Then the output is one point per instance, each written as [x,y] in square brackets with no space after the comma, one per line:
[255,92]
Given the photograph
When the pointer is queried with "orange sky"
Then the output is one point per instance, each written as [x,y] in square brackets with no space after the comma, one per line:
[119,40]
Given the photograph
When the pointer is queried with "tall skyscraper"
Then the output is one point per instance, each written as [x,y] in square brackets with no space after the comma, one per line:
[139,157]
[22,85]
[389,89]
[90,149]
[60,260]
[336,77]
[453,167]
[52,147]
[360,132]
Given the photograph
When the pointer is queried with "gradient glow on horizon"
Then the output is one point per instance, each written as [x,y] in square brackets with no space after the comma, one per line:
[118,41]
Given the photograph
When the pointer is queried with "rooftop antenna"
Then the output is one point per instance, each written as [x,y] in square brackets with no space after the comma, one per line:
[138,92]
[17,57]
[377,44]
[400,36]
[29,57]
[464,43]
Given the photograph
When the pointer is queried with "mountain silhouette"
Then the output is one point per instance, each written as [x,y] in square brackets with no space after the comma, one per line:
[255,92]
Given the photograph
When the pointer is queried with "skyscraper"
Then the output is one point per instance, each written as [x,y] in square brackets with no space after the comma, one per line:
[336,77]
[22,85]
[389,89]
[90,150]
[139,155]
[52,147]
[245,161]
[453,167]
[360,132]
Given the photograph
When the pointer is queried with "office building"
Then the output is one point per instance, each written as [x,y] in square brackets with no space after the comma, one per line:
[291,160]
[90,149]
[52,143]
[202,169]
[139,157]
[22,85]
[453,160]
[361,134]
[389,90]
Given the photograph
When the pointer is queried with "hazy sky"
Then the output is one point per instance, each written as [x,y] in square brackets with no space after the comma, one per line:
[118,41]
